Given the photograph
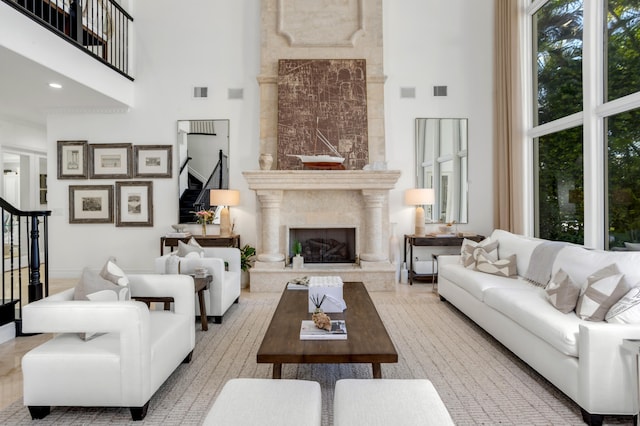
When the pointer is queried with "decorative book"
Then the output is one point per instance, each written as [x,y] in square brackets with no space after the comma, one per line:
[309,331]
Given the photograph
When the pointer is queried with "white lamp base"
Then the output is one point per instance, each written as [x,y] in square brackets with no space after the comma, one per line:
[225,222]
[419,228]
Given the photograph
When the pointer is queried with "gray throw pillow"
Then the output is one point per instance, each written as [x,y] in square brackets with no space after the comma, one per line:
[604,288]
[627,309]
[112,272]
[562,292]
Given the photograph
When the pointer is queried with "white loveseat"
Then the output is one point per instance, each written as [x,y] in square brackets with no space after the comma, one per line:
[121,368]
[584,359]
[223,263]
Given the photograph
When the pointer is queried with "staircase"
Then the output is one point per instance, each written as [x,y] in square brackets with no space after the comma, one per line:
[24,233]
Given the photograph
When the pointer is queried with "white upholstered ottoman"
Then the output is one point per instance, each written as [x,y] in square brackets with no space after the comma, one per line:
[267,402]
[388,402]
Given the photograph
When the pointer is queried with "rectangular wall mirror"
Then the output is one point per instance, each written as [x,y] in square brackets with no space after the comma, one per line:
[203,158]
[441,164]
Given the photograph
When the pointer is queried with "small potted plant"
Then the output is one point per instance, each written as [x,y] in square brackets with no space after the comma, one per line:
[247,254]
[298,260]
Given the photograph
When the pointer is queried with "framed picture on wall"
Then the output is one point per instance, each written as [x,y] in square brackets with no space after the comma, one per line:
[152,161]
[72,159]
[110,161]
[134,203]
[91,204]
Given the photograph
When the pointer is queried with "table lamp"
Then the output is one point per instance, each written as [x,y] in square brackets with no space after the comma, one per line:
[419,197]
[225,198]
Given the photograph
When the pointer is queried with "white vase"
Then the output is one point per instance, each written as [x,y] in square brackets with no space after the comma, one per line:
[297,262]
[266,160]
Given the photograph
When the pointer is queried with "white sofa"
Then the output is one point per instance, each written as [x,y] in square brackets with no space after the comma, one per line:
[121,368]
[582,358]
[225,288]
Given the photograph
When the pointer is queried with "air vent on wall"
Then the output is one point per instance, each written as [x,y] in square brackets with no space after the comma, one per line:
[200,92]
[407,92]
[439,90]
[235,93]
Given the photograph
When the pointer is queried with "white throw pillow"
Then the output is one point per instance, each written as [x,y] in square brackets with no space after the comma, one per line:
[112,272]
[627,309]
[469,251]
[562,292]
[604,288]
[191,247]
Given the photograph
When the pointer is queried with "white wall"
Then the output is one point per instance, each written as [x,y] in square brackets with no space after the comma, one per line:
[216,43]
[440,43]
[199,43]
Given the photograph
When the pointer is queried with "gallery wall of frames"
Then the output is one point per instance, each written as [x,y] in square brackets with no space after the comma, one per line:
[127,202]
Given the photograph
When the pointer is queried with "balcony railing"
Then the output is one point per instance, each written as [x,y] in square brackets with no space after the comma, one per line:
[99,27]
[25,237]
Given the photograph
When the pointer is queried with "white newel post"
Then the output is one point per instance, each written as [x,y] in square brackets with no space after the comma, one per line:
[270,201]
[373,202]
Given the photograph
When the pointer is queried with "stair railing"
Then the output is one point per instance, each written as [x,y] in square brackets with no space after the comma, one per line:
[20,229]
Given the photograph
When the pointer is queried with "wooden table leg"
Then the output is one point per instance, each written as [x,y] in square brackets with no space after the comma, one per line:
[277,371]
[377,370]
[203,311]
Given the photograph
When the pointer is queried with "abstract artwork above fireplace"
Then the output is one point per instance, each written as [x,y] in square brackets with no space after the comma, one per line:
[326,97]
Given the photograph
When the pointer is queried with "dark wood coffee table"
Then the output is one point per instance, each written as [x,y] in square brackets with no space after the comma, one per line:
[367,339]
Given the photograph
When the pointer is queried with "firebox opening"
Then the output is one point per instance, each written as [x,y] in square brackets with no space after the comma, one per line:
[324,245]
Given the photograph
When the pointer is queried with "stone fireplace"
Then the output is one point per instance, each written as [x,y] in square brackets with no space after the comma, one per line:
[323,29]
[315,199]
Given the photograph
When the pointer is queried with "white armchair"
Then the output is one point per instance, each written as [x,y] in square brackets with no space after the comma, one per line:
[225,288]
[121,368]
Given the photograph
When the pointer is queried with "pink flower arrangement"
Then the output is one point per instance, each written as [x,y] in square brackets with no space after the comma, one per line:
[204,216]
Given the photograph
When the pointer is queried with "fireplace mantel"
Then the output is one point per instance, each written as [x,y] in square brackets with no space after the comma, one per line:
[291,180]
[332,198]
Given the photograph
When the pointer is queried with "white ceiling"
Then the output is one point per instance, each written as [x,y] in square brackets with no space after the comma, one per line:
[25,94]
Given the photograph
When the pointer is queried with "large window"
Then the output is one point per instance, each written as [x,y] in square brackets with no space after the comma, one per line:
[560,186]
[558,56]
[584,126]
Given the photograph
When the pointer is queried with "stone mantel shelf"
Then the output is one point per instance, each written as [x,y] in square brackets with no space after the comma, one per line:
[292,180]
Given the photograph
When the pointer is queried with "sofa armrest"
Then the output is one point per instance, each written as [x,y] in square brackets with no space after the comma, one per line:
[604,362]
[49,315]
[180,287]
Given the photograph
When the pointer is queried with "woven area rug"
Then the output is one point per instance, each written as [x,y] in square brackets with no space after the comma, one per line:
[478,380]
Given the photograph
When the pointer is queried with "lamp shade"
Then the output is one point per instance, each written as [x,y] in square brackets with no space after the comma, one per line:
[224,197]
[419,196]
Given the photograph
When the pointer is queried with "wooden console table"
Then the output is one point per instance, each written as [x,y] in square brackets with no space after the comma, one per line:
[431,241]
[203,240]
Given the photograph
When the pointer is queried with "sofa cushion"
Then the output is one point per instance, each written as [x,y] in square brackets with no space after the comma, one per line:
[469,251]
[562,292]
[510,244]
[604,288]
[476,283]
[503,267]
[627,309]
[528,307]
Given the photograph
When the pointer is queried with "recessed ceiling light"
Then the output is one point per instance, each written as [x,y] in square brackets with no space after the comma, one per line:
[55,85]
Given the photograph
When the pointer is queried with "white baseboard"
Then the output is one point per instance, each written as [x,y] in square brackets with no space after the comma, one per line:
[8,332]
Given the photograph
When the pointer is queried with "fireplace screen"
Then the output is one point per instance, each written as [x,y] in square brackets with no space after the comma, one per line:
[325,245]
